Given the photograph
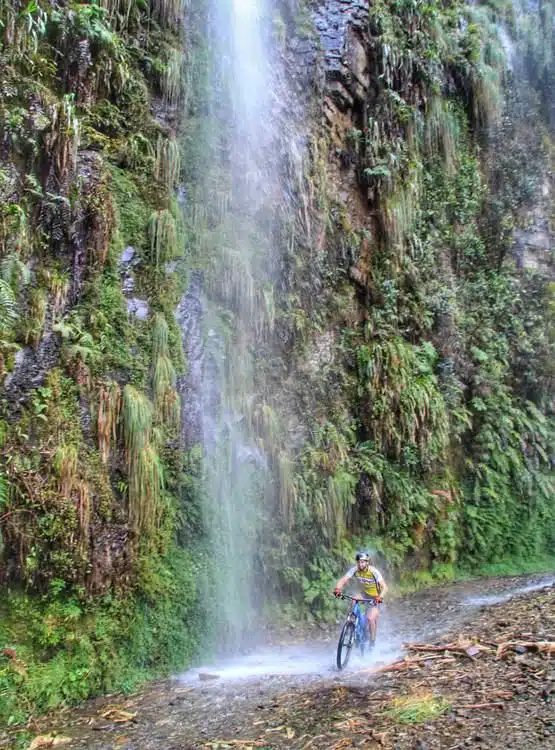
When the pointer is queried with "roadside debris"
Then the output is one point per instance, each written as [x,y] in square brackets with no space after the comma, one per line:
[48,740]
[542,647]
[118,716]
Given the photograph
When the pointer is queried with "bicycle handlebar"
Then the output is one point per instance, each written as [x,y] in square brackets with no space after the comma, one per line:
[374,600]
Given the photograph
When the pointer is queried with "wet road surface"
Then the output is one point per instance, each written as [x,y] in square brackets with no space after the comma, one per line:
[187,711]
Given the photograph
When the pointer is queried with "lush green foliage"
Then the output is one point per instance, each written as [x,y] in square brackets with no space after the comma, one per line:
[90,510]
[430,424]
[62,646]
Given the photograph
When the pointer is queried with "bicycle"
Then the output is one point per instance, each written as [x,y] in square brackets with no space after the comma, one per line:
[354,630]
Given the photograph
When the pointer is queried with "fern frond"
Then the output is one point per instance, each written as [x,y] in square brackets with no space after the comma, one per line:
[8,307]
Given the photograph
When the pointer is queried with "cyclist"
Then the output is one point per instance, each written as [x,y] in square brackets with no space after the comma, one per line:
[371,586]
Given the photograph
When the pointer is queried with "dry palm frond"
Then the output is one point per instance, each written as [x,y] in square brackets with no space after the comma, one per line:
[109,404]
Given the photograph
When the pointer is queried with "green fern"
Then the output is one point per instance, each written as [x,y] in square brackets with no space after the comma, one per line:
[8,308]
[401,398]
[167,162]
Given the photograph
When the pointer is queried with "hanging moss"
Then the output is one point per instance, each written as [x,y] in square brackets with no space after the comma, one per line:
[143,464]
[166,399]
[164,239]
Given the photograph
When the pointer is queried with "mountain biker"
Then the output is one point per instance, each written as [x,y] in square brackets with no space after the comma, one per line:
[371,586]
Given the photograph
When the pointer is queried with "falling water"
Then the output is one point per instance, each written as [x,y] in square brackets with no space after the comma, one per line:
[226,314]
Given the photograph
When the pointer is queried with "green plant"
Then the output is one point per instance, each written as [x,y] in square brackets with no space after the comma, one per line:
[143,464]
[33,323]
[137,151]
[417,708]
[405,406]
[109,56]
[167,162]
[65,466]
[8,308]
[14,232]
[166,399]
[164,240]
[14,271]
[79,344]
[172,77]
[109,405]
[62,138]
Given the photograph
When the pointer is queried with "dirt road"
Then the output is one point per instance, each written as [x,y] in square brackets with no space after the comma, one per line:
[291,695]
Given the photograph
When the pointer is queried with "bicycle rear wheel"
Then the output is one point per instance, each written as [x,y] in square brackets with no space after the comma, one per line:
[346,640]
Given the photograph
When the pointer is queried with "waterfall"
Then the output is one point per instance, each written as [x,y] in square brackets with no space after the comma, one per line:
[227,312]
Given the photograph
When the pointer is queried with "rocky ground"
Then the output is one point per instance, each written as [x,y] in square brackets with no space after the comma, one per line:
[481,675]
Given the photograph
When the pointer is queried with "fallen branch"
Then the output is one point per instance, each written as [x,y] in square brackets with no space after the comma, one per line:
[244,744]
[463,647]
[427,647]
[118,716]
[48,740]
[542,647]
[479,705]
[505,694]
[407,663]
[313,740]
[342,744]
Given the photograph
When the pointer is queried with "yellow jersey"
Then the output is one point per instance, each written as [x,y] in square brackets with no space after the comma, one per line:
[370,581]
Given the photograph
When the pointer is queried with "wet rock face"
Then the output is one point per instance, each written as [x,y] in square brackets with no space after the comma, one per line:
[189,317]
[90,166]
[33,364]
[342,26]
[533,241]
[110,561]
[138,307]
[30,370]
[128,261]
[532,247]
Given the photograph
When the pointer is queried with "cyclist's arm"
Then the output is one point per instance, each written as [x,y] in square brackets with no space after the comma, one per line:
[382,586]
[346,578]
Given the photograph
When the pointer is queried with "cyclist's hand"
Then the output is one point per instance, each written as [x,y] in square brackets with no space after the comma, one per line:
[337,592]
[379,600]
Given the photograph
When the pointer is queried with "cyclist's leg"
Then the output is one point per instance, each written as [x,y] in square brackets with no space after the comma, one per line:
[372,618]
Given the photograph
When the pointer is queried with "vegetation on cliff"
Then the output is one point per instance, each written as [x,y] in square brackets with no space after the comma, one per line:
[421,327]
[96,592]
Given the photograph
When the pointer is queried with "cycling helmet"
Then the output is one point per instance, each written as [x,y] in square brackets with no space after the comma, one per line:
[363,556]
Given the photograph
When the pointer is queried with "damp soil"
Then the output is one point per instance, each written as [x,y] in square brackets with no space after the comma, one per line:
[290,695]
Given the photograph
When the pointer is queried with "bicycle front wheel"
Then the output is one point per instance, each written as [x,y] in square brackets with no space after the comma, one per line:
[346,640]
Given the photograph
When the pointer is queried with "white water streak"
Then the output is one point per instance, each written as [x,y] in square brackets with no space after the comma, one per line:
[234,464]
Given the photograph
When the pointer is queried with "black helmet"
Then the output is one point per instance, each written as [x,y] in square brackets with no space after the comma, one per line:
[363,556]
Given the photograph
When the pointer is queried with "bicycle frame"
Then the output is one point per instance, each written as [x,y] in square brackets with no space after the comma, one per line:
[355,624]
[357,616]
